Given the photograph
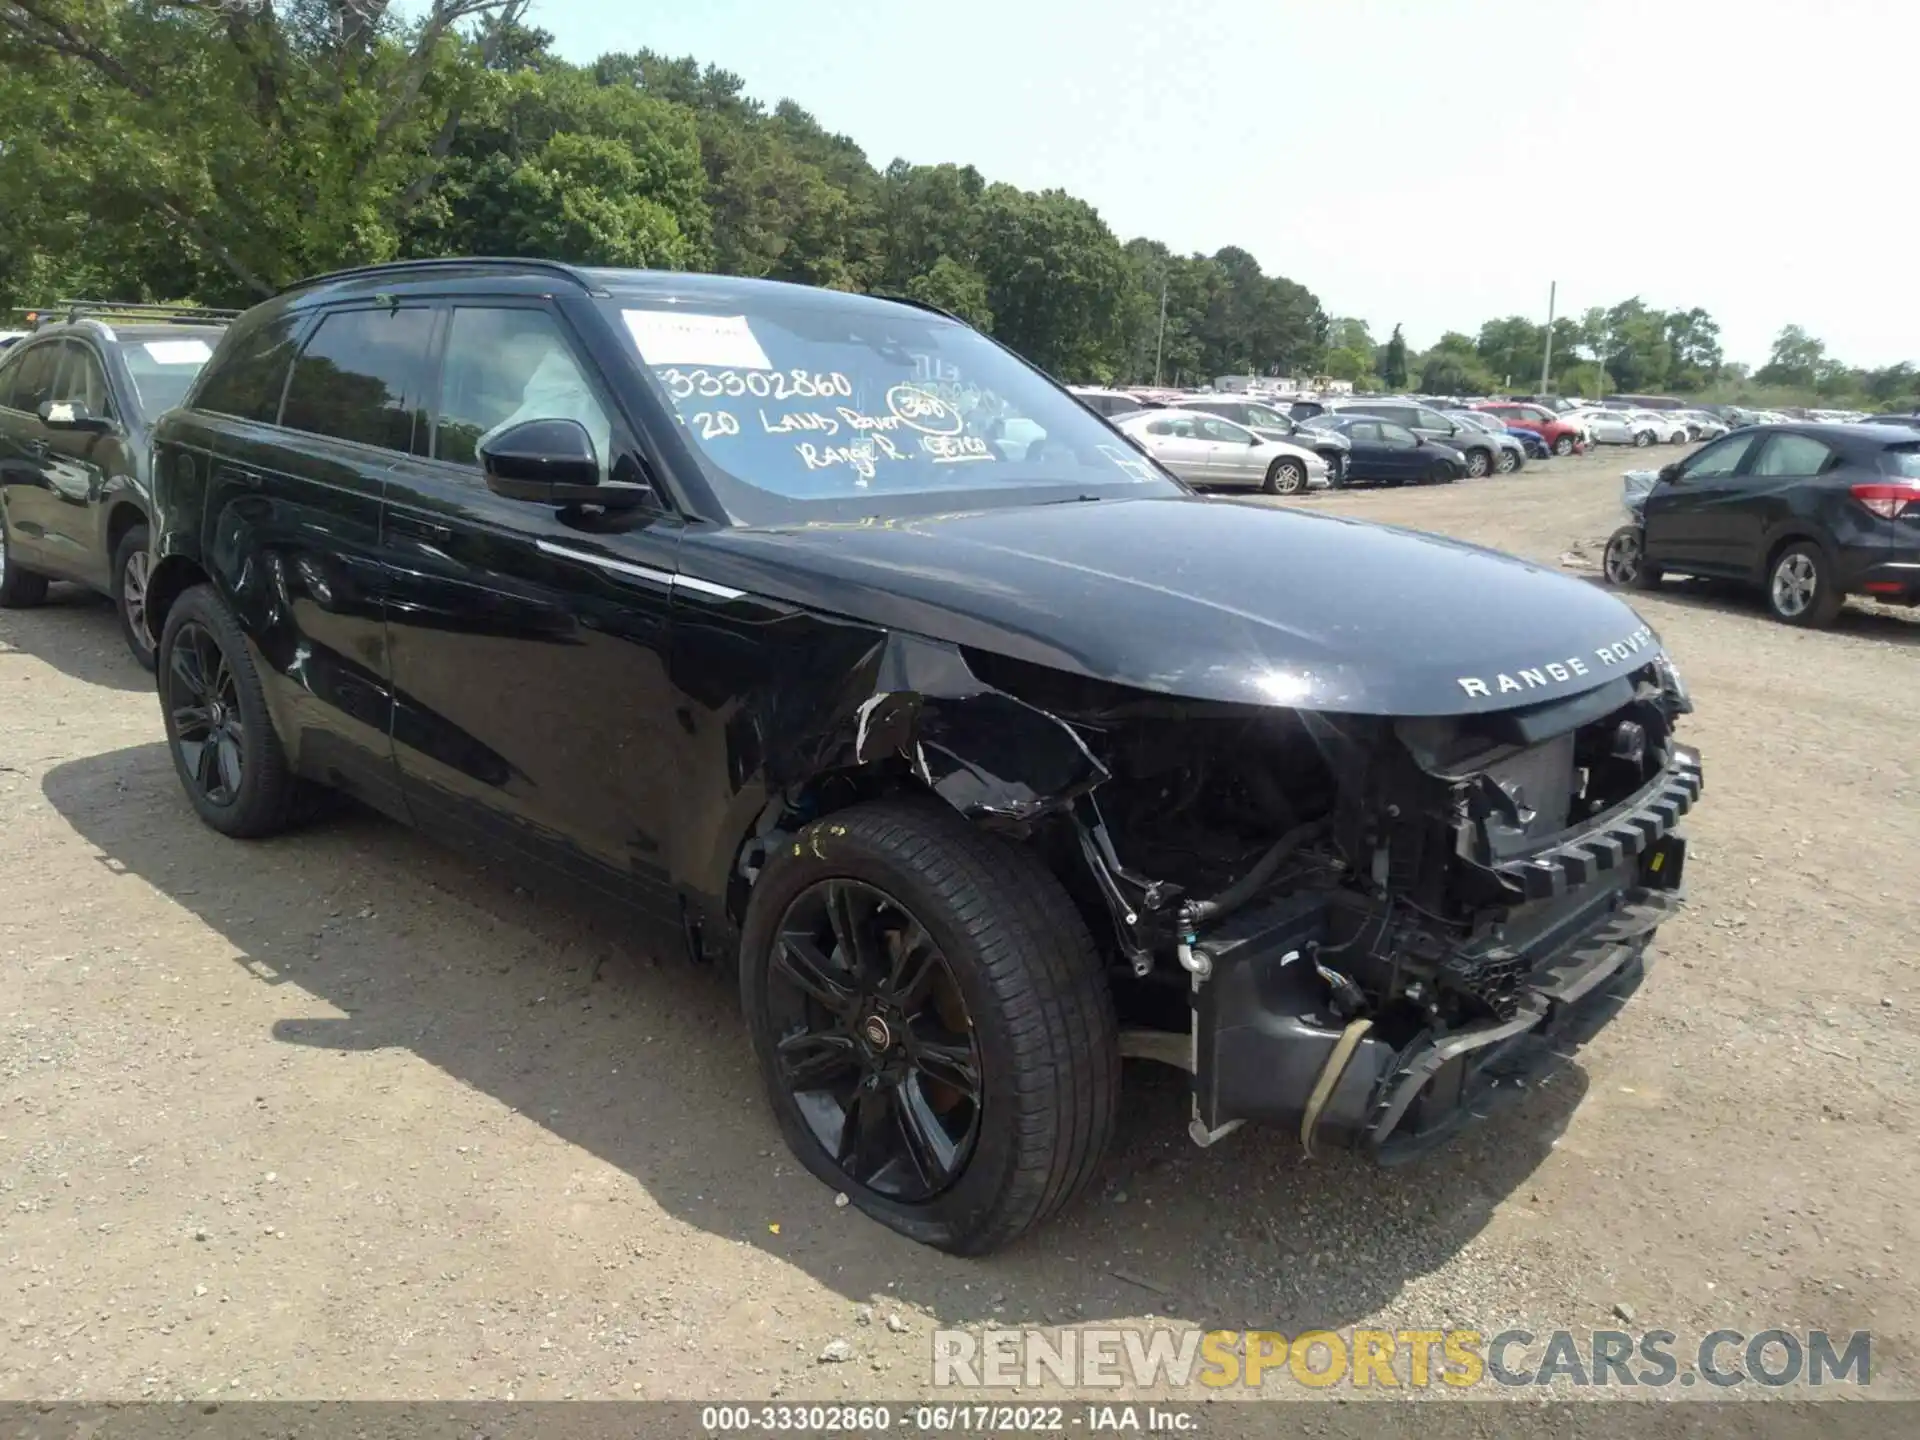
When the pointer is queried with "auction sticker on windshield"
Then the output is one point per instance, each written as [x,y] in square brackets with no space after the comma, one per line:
[673,338]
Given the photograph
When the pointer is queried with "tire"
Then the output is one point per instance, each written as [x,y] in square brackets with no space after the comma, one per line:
[1037,1024]
[1479,464]
[131,567]
[1286,477]
[236,776]
[1441,473]
[19,587]
[1509,462]
[1563,446]
[1800,588]
[1625,562]
[1642,439]
[1336,469]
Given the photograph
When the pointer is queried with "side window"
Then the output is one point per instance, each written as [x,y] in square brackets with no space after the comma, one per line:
[244,379]
[504,367]
[82,382]
[1159,427]
[1365,432]
[1183,429]
[1719,459]
[9,369]
[33,381]
[1225,431]
[1792,455]
[1431,420]
[1398,438]
[359,377]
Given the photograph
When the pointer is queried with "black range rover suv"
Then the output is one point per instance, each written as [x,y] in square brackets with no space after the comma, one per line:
[847,648]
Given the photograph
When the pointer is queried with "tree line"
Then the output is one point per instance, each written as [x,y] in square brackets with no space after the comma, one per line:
[215,150]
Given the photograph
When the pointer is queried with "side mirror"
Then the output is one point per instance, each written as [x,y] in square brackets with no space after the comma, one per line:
[72,415]
[1253,439]
[552,462]
[1670,473]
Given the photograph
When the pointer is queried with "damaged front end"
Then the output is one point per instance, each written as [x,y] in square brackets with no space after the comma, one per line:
[1366,929]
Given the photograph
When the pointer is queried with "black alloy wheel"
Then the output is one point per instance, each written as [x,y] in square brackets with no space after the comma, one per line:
[203,702]
[931,1022]
[225,750]
[875,1047]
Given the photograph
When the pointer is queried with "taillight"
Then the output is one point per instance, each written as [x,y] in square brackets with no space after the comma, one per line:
[1889,498]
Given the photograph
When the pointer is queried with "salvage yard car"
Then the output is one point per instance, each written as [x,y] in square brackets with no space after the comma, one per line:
[77,398]
[1205,450]
[984,769]
[1808,514]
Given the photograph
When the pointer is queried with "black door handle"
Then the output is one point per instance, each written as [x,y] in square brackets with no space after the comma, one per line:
[419,529]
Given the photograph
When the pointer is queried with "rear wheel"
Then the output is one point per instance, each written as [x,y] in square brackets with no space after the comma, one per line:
[1479,464]
[1800,588]
[931,1023]
[1625,564]
[1509,462]
[1286,477]
[19,587]
[132,566]
[1563,445]
[224,747]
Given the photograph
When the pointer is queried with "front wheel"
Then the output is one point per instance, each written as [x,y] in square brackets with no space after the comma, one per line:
[1642,439]
[1286,477]
[131,567]
[215,713]
[1800,588]
[1625,564]
[1563,446]
[930,1021]
[1442,473]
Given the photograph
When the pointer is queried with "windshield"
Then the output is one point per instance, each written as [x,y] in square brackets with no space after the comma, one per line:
[818,406]
[1272,419]
[163,367]
[1477,422]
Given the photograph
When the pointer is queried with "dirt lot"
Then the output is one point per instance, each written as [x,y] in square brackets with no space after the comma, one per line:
[342,1115]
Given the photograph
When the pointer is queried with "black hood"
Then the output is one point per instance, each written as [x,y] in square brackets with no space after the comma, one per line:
[1209,599]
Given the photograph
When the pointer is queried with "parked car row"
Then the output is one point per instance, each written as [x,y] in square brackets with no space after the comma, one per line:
[844,652]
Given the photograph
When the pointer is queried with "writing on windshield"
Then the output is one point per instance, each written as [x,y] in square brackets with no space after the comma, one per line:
[818,405]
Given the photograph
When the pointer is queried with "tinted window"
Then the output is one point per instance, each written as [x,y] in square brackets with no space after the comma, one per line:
[1398,438]
[504,367]
[7,371]
[82,382]
[246,375]
[1364,430]
[163,367]
[33,379]
[356,379]
[1720,458]
[1792,455]
[1429,420]
[1903,461]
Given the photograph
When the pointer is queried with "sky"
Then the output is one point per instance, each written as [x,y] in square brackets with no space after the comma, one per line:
[1432,163]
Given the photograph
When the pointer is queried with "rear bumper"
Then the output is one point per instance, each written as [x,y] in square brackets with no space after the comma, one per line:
[1266,1039]
[1897,580]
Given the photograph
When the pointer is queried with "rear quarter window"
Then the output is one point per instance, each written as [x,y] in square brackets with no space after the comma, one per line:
[1902,460]
[246,375]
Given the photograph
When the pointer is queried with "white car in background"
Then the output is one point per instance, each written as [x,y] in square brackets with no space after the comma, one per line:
[1668,427]
[1621,427]
[1206,450]
[1701,425]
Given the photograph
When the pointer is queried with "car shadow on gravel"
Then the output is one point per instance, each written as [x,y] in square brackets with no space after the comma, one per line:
[536,1002]
[77,633]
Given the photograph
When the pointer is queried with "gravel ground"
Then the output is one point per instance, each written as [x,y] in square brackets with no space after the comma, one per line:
[342,1115]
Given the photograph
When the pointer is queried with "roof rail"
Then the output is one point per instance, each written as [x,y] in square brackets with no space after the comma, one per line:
[66,311]
[392,267]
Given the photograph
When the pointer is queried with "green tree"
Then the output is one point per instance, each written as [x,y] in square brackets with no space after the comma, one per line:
[1511,350]
[1055,280]
[1393,362]
[1797,359]
[955,287]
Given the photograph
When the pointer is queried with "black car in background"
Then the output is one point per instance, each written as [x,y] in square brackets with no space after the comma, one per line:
[1911,421]
[1267,422]
[846,649]
[1808,513]
[1482,453]
[77,399]
[1383,453]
